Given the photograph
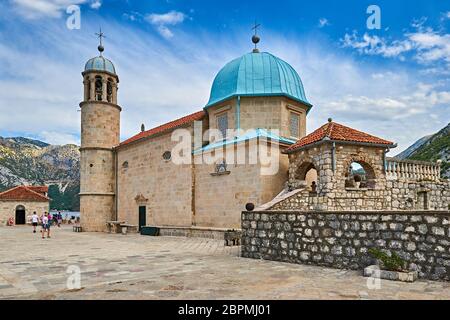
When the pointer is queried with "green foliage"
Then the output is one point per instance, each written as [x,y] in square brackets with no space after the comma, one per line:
[67,200]
[436,148]
[391,263]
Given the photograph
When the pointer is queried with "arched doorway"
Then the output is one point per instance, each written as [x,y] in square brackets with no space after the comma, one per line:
[20,215]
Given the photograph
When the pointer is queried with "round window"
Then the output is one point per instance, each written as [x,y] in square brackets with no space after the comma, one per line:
[167,155]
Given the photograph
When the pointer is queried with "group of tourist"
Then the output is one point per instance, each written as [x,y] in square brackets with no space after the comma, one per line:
[46,221]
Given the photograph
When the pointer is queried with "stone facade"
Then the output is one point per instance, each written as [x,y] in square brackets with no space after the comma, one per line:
[8,209]
[342,239]
[261,112]
[100,132]
[146,179]
[219,199]
[380,192]
[189,195]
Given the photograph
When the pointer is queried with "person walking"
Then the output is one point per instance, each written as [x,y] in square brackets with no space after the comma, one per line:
[34,221]
[45,225]
[59,219]
[50,217]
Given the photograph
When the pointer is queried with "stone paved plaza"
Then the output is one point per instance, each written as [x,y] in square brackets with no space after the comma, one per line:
[141,267]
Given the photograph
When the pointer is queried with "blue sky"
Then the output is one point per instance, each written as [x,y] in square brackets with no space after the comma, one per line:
[393,82]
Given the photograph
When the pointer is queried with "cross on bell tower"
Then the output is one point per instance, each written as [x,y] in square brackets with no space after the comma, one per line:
[255,38]
[100,36]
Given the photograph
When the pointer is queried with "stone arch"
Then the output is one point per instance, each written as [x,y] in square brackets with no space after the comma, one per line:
[303,169]
[304,173]
[98,82]
[368,167]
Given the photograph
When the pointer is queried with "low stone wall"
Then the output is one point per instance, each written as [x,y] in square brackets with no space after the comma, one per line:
[209,233]
[341,239]
[398,195]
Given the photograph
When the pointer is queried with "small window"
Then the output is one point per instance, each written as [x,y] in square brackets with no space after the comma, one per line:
[167,155]
[294,125]
[125,164]
[222,124]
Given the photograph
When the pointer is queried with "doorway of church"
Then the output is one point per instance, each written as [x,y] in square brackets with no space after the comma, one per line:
[142,217]
[20,215]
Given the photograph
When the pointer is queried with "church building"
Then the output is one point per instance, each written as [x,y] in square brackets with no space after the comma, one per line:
[138,181]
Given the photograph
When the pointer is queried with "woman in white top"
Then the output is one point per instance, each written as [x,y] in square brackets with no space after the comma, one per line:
[34,221]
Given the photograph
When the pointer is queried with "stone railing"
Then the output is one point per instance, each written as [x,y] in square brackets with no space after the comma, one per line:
[412,170]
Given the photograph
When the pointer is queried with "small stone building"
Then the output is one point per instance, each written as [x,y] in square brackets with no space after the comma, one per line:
[20,202]
[354,173]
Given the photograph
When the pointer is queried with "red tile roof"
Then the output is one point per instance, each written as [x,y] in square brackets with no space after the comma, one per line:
[38,189]
[337,132]
[24,193]
[166,127]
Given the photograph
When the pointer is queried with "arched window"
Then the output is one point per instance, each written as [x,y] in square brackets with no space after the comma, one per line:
[360,175]
[109,93]
[307,172]
[98,88]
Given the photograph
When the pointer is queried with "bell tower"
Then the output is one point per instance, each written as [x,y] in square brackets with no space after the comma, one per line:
[100,133]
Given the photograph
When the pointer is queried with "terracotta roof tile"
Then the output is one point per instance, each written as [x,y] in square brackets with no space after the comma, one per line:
[337,132]
[166,127]
[23,193]
[38,189]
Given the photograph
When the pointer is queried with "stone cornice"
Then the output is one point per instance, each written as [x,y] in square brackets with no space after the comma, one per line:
[99,72]
[95,148]
[112,194]
[101,102]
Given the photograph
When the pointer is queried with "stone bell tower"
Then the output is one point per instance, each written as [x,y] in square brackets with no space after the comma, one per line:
[100,132]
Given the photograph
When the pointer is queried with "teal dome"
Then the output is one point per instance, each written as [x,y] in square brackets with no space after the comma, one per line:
[100,63]
[257,74]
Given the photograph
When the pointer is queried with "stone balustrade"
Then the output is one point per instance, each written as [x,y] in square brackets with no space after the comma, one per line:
[412,170]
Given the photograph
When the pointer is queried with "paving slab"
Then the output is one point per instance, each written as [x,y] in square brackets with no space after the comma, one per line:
[115,266]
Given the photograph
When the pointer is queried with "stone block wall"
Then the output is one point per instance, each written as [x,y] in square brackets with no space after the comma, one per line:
[261,112]
[342,239]
[398,195]
[145,178]
[8,209]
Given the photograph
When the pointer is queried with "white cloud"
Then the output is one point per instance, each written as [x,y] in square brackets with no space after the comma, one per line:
[162,81]
[96,4]
[162,21]
[33,9]
[425,44]
[374,45]
[323,22]
[58,138]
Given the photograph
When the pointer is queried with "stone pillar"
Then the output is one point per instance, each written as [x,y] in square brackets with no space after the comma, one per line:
[114,92]
[86,89]
[92,95]
[104,89]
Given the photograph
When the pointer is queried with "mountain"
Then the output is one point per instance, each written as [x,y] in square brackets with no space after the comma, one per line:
[405,154]
[32,162]
[435,147]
